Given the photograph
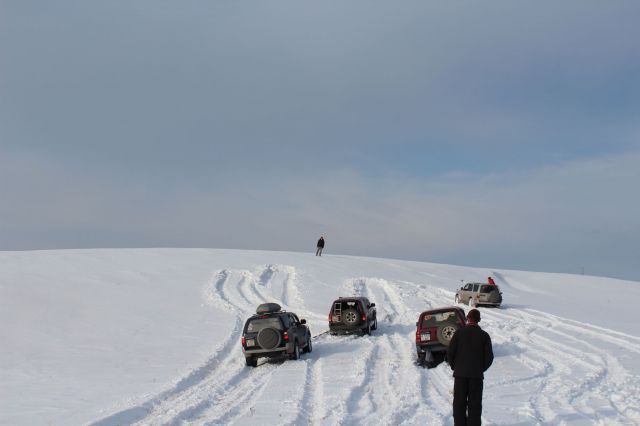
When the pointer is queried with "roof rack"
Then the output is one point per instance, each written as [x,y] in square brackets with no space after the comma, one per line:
[268,308]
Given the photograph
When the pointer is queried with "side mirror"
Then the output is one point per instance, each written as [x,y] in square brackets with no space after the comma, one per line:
[303,321]
[373,305]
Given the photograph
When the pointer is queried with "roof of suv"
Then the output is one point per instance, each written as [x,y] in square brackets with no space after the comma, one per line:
[446,309]
[361,298]
[474,282]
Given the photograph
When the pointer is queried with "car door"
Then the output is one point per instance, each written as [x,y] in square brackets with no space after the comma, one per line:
[300,330]
[465,293]
[368,310]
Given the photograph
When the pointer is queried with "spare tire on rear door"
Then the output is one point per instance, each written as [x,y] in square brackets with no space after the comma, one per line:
[446,332]
[350,317]
[268,338]
[495,296]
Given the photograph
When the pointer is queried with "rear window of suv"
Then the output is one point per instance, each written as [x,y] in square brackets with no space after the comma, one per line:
[486,288]
[346,304]
[255,325]
[433,320]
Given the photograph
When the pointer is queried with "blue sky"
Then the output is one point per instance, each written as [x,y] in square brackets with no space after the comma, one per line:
[499,134]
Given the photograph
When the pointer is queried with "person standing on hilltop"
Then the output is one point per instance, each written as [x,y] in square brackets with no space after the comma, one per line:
[320,246]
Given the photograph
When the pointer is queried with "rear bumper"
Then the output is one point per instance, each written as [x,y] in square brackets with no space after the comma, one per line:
[346,329]
[268,353]
[422,348]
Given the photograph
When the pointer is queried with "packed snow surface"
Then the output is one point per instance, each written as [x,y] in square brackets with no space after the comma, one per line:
[152,337]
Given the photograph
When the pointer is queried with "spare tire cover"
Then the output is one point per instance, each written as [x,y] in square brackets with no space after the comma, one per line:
[268,338]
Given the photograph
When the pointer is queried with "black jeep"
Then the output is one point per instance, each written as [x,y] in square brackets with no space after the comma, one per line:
[352,315]
[272,333]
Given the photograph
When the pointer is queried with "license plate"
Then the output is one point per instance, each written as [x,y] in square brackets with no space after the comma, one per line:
[425,336]
[251,342]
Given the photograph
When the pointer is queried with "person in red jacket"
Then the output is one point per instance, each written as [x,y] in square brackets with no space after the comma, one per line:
[469,354]
[491,281]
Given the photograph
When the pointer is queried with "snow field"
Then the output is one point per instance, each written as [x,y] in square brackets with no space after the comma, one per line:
[549,368]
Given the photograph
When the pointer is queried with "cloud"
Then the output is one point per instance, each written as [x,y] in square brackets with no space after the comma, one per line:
[562,217]
[485,133]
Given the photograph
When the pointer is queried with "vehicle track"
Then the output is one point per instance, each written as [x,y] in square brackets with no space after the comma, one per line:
[548,369]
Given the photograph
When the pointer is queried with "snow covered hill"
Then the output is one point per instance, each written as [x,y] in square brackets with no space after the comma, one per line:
[152,336]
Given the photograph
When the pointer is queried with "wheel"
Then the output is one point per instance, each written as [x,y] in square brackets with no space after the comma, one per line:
[367,329]
[446,332]
[457,300]
[350,317]
[251,361]
[309,347]
[375,324]
[436,359]
[296,352]
[421,358]
[473,302]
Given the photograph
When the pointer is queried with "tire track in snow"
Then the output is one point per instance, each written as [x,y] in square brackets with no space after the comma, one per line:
[191,401]
[231,399]
[142,411]
[244,296]
[571,370]
[349,357]
[223,378]
[397,381]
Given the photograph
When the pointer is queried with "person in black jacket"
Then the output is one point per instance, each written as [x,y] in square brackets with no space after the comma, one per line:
[320,246]
[469,354]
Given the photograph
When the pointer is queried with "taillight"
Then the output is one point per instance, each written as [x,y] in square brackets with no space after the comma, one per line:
[418,335]
[364,317]
[330,317]
[244,341]
[286,336]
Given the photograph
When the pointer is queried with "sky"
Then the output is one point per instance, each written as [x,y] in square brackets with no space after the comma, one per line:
[497,134]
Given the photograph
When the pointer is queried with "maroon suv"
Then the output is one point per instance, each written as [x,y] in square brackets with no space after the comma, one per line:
[434,331]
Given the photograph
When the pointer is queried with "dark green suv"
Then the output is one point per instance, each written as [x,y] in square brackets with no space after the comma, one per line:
[272,333]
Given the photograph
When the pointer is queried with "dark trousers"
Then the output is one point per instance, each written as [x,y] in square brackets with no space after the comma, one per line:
[467,401]
[319,251]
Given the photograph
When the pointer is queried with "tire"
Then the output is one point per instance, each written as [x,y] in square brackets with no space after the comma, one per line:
[473,303]
[251,361]
[446,332]
[309,346]
[268,338]
[421,358]
[375,324]
[367,329]
[457,300]
[296,352]
[350,317]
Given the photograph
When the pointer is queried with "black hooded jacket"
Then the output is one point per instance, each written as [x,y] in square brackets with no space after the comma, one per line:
[321,242]
[470,353]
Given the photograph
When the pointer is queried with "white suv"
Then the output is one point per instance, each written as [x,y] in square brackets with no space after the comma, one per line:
[475,294]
